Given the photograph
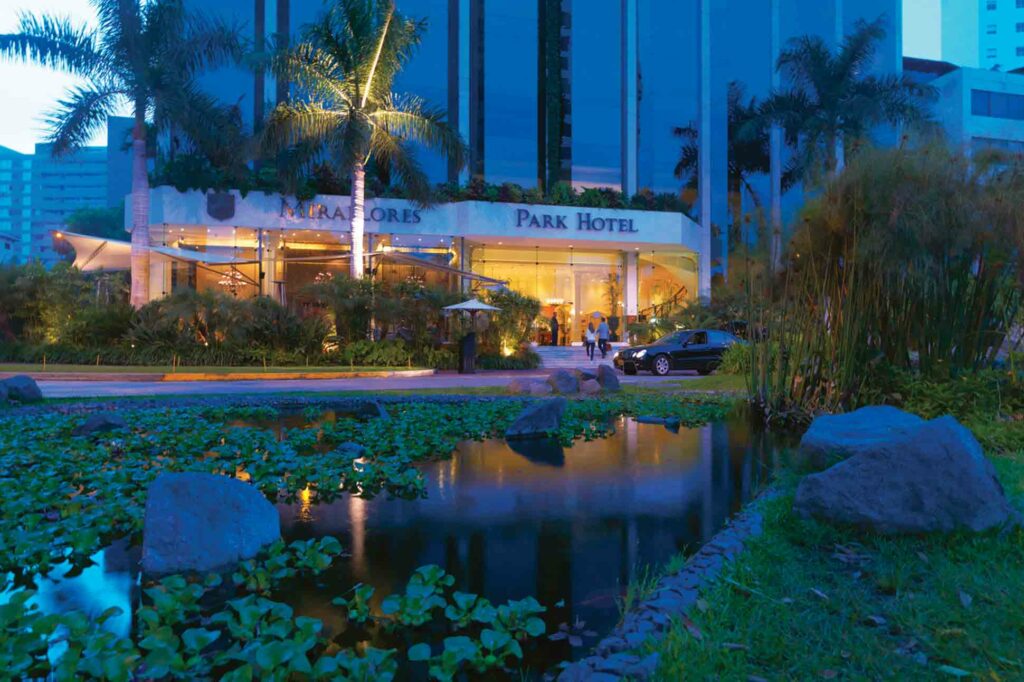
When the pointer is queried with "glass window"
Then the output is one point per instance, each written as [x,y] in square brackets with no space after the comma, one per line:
[1020,27]
[596,93]
[721,338]
[699,339]
[510,92]
[426,73]
[990,4]
[991,53]
[1020,51]
[997,105]
[990,29]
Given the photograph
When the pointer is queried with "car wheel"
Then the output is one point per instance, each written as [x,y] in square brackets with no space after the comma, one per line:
[661,366]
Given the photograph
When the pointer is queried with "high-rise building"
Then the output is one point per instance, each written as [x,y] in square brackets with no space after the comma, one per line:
[92,177]
[15,204]
[583,91]
[986,34]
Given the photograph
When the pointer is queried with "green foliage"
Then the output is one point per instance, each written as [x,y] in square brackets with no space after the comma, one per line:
[806,600]
[909,260]
[736,360]
[509,328]
[525,358]
[98,222]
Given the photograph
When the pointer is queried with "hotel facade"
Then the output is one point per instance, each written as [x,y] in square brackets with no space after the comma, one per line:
[586,92]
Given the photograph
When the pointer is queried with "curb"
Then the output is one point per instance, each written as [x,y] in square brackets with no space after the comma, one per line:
[230,376]
[613,657]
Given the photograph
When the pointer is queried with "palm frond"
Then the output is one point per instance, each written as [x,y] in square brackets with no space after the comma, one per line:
[395,154]
[315,71]
[302,123]
[411,119]
[858,49]
[77,117]
[53,42]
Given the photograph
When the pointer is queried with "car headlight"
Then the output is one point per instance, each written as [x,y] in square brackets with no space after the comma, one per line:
[640,353]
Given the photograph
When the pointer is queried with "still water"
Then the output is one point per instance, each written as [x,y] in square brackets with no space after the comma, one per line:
[570,527]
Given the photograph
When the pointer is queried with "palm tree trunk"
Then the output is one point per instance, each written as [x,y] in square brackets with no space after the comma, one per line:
[140,213]
[358,199]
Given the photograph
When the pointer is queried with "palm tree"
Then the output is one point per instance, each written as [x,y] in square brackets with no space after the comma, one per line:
[345,66]
[748,154]
[832,100]
[143,54]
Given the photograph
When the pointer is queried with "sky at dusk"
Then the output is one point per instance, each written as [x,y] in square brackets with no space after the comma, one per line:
[30,91]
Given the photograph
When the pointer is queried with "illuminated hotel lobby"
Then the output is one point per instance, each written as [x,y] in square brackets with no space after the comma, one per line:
[576,261]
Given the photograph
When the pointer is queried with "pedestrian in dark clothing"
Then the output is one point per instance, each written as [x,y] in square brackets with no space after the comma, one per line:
[554,329]
[603,334]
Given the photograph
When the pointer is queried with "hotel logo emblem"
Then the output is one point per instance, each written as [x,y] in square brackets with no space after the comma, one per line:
[220,205]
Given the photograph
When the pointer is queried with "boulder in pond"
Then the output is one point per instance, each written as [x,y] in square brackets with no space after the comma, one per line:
[831,438]
[203,522]
[23,389]
[563,381]
[519,386]
[590,387]
[100,422]
[607,377]
[649,419]
[930,478]
[538,420]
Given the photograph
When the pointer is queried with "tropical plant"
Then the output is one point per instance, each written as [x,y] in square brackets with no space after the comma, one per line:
[748,155]
[909,260]
[833,102]
[143,55]
[345,66]
[509,329]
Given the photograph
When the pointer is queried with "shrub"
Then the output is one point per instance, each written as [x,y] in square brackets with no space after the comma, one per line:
[736,360]
[511,326]
[524,359]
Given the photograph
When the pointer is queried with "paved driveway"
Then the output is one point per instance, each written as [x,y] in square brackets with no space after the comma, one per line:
[446,380]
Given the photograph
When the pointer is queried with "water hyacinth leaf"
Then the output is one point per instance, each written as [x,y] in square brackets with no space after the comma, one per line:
[419,652]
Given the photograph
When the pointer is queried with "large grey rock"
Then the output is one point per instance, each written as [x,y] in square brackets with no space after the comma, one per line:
[930,478]
[563,381]
[584,373]
[101,422]
[834,437]
[538,419]
[519,386]
[203,522]
[540,389]
[590,387]
[23,389]
[607,377]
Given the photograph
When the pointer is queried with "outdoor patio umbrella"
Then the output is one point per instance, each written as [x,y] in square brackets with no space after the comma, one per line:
[467,346]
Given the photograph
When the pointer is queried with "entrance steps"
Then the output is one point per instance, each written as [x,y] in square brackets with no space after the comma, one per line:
[571,357]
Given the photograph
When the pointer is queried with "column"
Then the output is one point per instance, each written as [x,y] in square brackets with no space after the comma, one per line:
[455,98]
[704,139]
[629,97]
[462,47]
[775,143]
[630,292]
[476,88]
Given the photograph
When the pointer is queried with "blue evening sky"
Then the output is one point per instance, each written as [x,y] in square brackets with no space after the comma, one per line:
[29,91]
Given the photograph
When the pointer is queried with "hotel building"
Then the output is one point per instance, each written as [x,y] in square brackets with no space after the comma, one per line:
[586,92]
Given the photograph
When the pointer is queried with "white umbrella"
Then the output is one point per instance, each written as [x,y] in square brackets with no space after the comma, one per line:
[473,305]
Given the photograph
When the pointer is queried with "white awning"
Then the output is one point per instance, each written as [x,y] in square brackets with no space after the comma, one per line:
[99,253]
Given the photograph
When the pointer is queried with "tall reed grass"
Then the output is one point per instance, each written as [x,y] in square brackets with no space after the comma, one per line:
[911,259]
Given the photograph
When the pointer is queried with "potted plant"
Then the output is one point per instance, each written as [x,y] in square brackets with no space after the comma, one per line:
[613,292]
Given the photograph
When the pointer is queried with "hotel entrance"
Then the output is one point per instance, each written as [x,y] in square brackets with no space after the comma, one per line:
[578,285]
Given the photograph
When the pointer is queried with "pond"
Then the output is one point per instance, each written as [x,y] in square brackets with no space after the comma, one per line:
[571,527]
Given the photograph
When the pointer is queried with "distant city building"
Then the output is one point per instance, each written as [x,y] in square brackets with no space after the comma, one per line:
[15,205]
[977,108]
[986,34]
[92,177]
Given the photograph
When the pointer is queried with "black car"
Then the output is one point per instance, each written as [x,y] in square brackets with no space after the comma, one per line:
[693,349]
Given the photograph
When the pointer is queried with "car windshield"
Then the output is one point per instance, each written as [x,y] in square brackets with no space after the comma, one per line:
[677,337]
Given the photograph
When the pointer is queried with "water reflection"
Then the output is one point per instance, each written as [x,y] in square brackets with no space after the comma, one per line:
[530,518]
[564,525]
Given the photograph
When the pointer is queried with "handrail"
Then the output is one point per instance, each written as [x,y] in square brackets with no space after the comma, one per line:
[658,309]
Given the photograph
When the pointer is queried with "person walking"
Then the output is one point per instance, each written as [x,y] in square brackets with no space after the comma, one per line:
[554,329]
[590,340]
[603,334]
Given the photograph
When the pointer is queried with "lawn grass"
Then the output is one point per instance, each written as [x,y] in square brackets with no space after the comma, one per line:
[809,601]
[167,369]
